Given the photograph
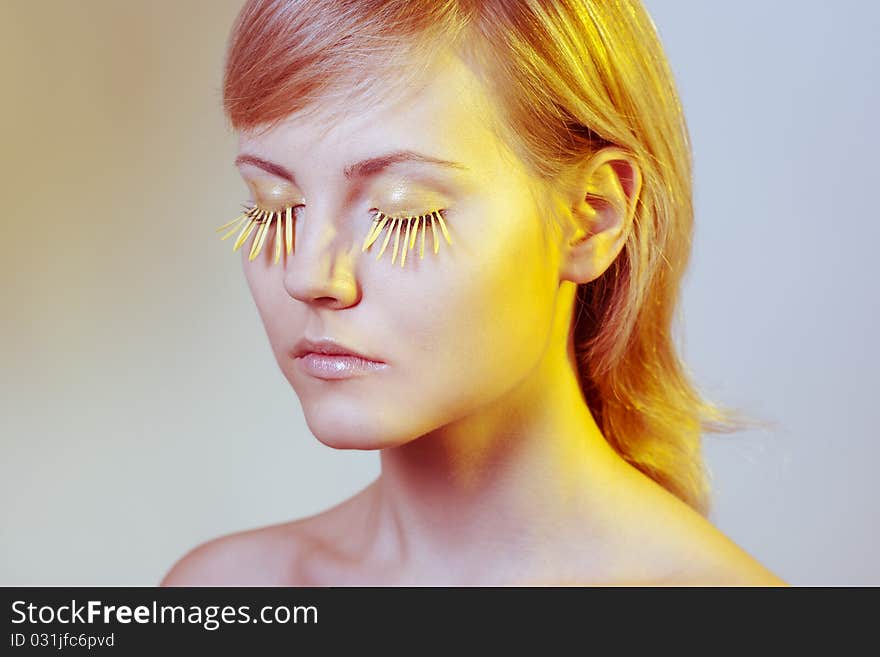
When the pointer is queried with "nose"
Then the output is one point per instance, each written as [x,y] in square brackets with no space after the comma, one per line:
[321,270]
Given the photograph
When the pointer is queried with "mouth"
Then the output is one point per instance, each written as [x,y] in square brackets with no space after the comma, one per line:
[327,359]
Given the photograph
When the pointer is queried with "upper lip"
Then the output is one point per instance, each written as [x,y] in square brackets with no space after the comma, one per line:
[326,346]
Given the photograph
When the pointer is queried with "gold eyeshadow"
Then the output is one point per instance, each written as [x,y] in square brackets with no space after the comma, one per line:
[262,219]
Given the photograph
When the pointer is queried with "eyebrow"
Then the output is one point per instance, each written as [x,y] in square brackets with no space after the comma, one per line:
[363,169]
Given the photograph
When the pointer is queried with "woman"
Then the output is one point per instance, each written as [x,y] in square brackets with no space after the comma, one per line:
[487,206]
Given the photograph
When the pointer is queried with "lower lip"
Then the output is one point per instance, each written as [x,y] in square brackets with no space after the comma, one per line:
[326,366]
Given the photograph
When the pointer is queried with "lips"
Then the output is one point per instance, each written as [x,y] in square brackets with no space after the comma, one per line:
[328,347]
[333,366]
[329,360]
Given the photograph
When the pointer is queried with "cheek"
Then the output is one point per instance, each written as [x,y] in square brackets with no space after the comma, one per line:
[267,292]
[257,281]
[483,322]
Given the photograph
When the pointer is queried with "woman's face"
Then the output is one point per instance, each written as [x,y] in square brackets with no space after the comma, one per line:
[458,329]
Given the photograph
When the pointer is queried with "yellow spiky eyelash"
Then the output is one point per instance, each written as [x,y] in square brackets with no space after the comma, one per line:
[413,225]
[257,216]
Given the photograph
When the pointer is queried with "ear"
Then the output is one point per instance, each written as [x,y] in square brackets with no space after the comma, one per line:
[602,201]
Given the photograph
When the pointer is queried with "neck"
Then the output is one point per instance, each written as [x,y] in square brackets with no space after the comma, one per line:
[530,471]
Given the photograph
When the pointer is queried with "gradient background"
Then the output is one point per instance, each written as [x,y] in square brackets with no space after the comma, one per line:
[143,412]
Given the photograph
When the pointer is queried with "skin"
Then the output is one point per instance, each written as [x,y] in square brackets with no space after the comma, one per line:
[493,470]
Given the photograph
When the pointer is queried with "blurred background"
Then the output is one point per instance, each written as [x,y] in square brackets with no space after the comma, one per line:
[142,411]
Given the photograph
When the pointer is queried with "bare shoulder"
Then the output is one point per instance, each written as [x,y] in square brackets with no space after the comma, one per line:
[273,555]
[709,558]
[254,557]
[687,549]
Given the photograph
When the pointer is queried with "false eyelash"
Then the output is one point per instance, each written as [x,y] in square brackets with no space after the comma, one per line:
[257,216]
[394,223]
[254,216]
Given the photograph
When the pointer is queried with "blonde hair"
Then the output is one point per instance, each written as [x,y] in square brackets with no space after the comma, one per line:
[568,77]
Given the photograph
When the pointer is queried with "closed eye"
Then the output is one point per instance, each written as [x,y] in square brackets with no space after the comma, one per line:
[261,219]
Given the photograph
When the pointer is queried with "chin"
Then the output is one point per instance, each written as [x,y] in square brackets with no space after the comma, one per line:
[352,429]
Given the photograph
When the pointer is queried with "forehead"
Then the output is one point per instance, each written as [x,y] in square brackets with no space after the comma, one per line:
[446,114]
